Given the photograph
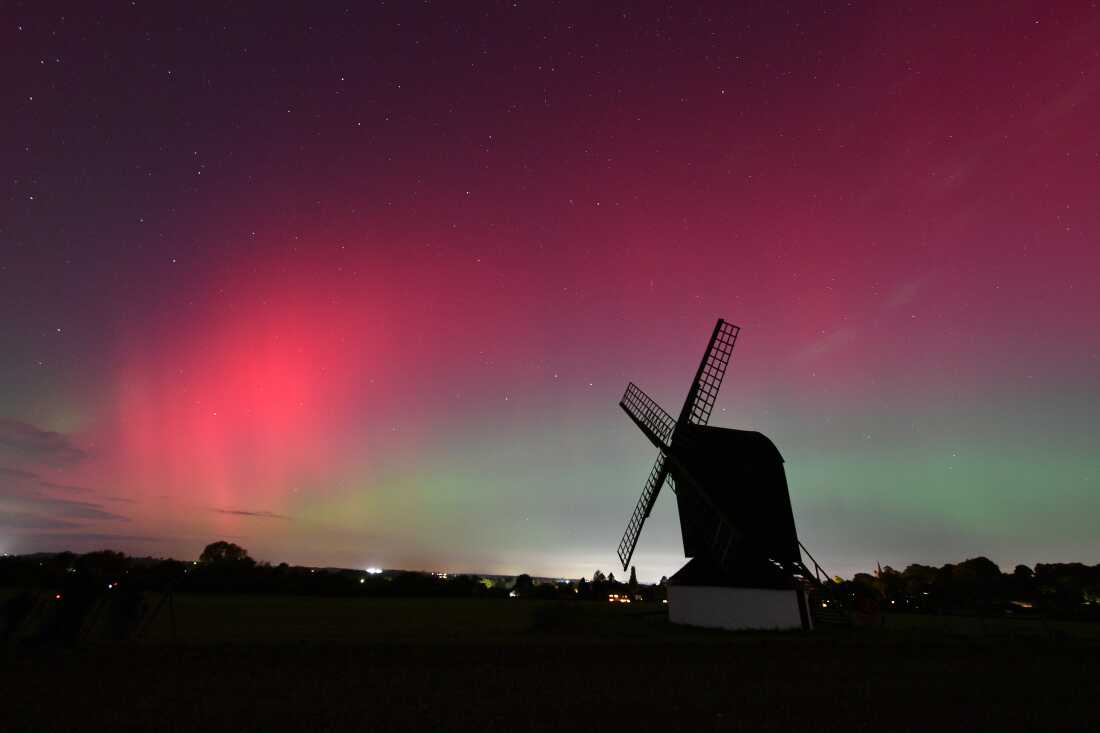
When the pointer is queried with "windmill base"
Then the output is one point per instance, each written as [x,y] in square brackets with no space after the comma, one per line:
[738,608]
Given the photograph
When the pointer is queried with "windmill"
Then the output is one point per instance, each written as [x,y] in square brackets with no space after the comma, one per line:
[736,521]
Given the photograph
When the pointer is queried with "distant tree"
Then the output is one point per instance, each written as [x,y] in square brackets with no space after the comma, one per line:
[583,589]
[868,583]
[919,579]
[102,564]
[633,583]
[980,568]
[598,577]
[866,598]
[1064,585]
[611,578]
[1022,583]
[221,552]
[891,583]
[523,584]
[664,580]
[546,590]
[165,572]
[973,584]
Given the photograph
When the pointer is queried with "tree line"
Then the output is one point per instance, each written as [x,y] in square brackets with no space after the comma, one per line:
[978,585]
[224,567]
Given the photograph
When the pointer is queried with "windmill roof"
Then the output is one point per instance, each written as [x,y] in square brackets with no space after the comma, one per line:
[749,442]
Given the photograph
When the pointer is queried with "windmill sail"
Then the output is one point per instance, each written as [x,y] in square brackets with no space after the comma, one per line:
[712,528]
[648,415]
[642,509]
[708,380]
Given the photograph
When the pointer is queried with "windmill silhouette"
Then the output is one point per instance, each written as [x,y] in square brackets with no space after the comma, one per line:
[746,570]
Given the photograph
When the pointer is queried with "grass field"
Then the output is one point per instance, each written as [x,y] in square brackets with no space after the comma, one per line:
[309,664]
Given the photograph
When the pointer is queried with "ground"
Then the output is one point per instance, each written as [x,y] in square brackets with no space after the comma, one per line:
[266,663]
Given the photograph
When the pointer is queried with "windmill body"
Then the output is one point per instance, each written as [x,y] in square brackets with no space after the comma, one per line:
[745,568]
[742,472]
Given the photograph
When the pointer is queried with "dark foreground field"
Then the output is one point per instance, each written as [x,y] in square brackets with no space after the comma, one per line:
[310,664]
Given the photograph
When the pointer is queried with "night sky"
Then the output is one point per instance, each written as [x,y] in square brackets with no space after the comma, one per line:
[364,286]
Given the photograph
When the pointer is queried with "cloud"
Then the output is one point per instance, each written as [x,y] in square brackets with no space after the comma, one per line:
[68,508]
[838,338]
[64,487]
[16,483]
[73,489]
[63,541]
[20,441]
[106,537]
[26,520]
[14,474]
[244,513]
[904,293]
[23,494]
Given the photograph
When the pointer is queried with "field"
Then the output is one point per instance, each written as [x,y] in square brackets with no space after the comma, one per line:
[267,663]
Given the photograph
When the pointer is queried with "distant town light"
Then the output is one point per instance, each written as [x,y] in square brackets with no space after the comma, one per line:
[57,596]
[374,571]
[362,580]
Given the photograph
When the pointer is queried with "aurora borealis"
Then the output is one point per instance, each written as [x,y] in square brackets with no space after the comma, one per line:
[364,286]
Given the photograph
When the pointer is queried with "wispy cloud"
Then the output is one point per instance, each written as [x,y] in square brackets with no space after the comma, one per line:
[30,502]
[246,513]
[67,508]
[26,520]
[14,474]
[49,541]
[904,293]
[16,483]
[64,487]
[73,489]
[22,442]
[835,340]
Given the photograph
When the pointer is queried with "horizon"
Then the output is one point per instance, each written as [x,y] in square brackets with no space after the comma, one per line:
[363,287]
[474,573]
